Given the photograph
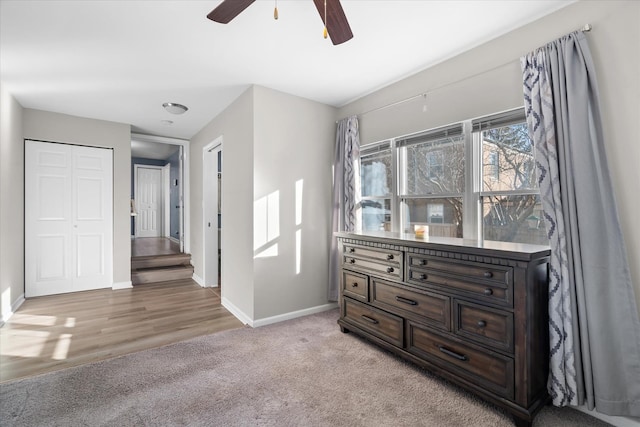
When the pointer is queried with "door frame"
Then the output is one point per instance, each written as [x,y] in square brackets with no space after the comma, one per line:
[164,212]
[166,199]
[213,145]
[185,217]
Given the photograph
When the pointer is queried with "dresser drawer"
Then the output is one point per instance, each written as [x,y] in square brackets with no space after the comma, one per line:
[428,307]
[387,255]
[377,322]
[482,367]
[489,273]
[488,292]
[355,285]
[483,325]
[391,270]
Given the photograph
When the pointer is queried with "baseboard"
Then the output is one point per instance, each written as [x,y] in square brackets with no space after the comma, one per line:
[293,314]
[613,420]
[174,240]
[14,307]
[240,315]
[199,280]
[122,285]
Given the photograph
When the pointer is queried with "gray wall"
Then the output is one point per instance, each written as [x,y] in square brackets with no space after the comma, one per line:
[54,127]
[487,79]
[11,205]
[293,141]
[271,140]
[235,125]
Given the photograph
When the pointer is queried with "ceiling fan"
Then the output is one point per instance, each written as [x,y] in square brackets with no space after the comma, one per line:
[330,11]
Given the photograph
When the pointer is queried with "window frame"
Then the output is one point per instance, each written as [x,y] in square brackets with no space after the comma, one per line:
[473,194]
[502,119]
[376,148]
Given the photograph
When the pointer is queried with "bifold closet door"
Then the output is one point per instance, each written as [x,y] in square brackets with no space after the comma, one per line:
[68,218]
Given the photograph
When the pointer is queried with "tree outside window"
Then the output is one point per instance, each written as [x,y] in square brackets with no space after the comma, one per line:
[510,200]
[432,175]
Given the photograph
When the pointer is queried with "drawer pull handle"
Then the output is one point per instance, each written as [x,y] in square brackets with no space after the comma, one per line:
[481,323]
[352,261]
[369,319]
[488,274]
[422,262]
[390,270]
[423,277]
[488,291]
[406,300]
[453,354]
[354,285]
[389,257]
[352,250]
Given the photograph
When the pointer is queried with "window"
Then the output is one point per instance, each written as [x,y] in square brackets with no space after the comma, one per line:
[376,183]
[432,180]
[509,197]
[484,179]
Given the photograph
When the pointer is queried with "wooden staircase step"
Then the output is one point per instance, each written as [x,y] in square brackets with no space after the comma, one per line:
[161,274]
[154,261]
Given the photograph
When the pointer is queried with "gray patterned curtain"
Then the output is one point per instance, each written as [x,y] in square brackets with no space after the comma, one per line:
[593,320]
[346,193]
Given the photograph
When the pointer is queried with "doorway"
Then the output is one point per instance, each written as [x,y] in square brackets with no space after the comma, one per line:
[166,190]
[212,212]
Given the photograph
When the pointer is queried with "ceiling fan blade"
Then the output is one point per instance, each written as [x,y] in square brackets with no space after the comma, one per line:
[337,24]
[228,9]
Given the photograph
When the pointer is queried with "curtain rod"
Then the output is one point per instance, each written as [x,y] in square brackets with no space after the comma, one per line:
[585,29]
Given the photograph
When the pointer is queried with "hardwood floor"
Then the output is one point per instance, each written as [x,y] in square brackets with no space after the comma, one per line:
[147,246]
[60,331]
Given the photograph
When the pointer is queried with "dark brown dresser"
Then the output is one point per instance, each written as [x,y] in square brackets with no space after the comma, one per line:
[472,312]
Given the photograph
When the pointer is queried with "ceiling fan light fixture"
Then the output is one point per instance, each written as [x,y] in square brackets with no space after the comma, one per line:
[174,108]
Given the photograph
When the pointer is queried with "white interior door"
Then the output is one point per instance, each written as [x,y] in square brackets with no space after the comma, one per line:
[149,201]
[210,189]
[68,218]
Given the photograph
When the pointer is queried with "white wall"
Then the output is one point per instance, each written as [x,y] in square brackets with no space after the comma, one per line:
[487,79]
[235,125]
[293,142]
[11,205]
[55,127]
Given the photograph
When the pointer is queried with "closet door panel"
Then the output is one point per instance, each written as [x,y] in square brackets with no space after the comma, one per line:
[92,218]
[68,218]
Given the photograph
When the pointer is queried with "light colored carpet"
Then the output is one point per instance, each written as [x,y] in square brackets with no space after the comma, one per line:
[302,372]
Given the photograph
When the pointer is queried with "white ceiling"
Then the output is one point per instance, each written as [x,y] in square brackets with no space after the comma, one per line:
[120,60]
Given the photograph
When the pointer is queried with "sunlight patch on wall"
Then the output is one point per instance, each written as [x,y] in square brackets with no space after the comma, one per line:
[299,188]
[267,252]
[266,225]
[298,250]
